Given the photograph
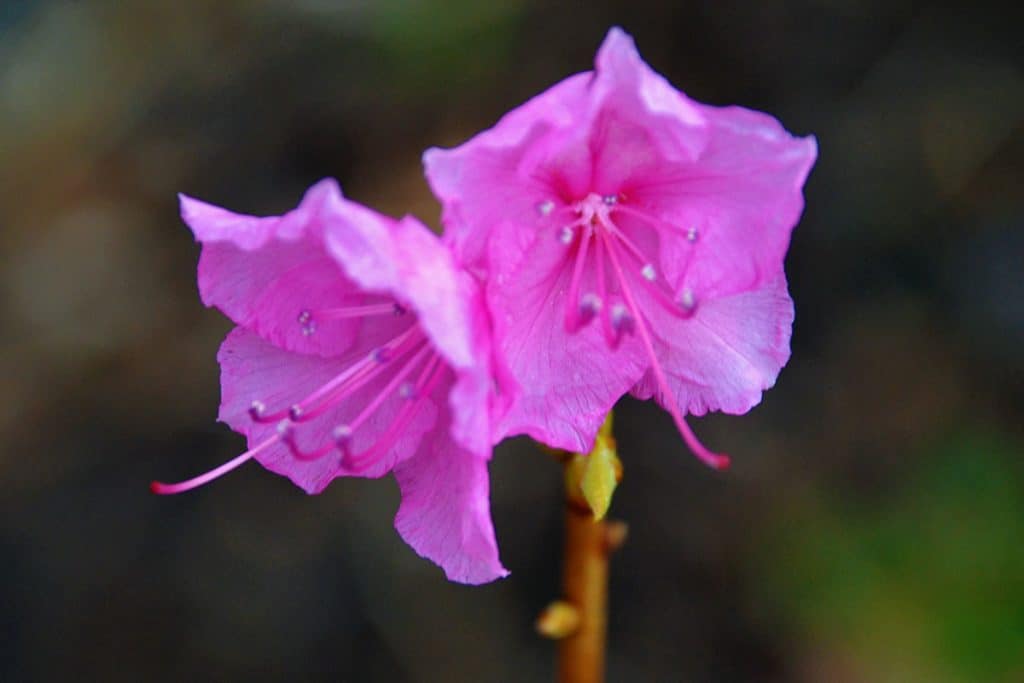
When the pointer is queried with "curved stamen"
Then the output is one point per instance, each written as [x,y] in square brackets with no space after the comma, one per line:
[690,234]
[163,489]
[651,282]
[287,433]
[718,461]
[390,388]
[343,433]
[307,412]
[343,384]
[426,383]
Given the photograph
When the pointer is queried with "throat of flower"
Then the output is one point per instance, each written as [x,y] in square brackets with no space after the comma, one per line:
[408,355]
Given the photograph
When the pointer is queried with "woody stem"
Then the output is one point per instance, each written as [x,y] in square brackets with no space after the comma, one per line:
[585,582]
[580,619]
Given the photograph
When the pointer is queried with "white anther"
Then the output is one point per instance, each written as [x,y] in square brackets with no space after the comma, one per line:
[687,300]
[591,303]
[341,434]
[691,234]
[256,409]
[622,320]
[546,207]
[648,272]
[566,234]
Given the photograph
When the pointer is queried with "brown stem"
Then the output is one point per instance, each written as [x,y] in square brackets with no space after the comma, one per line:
[585,581]
[580,621]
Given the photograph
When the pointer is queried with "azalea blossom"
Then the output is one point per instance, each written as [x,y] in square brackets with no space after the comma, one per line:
[360,350]
[630,240]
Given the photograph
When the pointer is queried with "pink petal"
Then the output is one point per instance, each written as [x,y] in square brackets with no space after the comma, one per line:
[485,183]
[728,353]
[637,119]
[445,511]
[406,260]
[743,197]
[264,272]
[253,369]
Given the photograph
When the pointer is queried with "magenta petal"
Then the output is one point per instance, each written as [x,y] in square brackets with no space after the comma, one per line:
[445,511]
[728,353]
[264,272]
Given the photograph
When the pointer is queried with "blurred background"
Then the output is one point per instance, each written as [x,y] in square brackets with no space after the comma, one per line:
[870,530]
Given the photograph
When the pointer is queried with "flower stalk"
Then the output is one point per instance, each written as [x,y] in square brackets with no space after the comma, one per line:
[580,620]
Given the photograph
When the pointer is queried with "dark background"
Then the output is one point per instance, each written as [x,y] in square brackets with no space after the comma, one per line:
[870,529]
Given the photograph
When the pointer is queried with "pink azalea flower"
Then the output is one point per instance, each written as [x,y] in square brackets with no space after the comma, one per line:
[360,350]
[630,239]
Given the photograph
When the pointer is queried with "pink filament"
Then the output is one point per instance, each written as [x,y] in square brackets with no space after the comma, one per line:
[163,489]
[654,288]
[425,384]
[355,311]
[719,461]
[648,219]
[345,383]
[572,308]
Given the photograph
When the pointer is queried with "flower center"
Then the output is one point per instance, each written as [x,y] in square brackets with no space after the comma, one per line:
[609,264]
[591,238]
[406,366]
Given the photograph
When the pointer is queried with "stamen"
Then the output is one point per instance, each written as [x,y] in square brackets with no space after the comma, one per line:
[590,306]
[610,336]
[287,432]
[687,301]
[426,383]
[342,434]
[390,387]
[160,488]
[344,384]
[622,321]
[610,199]
[649,274]
[691,234]
[545,207]
[566,234]
[572,322]
[718,461]
[256,411]
[651,220]
[309,318]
